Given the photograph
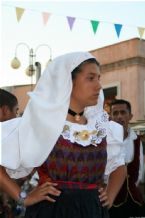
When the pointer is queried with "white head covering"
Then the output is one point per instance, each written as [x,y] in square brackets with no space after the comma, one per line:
[32,137]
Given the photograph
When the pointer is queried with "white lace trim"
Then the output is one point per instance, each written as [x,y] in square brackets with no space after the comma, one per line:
[91,133]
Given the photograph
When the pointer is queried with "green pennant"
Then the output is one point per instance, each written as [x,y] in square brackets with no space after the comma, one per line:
[94,25]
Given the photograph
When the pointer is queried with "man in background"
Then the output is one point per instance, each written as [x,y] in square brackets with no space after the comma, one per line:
[8,207]
[8,110]
[129,202]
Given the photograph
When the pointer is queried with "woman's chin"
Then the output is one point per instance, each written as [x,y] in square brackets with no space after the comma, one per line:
[93,103]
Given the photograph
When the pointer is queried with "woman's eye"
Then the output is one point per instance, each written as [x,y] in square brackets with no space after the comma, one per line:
[91,78]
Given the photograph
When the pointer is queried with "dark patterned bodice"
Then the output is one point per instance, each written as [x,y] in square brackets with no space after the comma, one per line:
[71,162]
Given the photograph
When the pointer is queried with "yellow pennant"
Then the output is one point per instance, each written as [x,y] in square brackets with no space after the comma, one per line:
[19,13]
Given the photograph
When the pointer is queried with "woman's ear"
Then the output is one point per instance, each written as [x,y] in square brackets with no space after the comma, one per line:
[73,82]
[131,116]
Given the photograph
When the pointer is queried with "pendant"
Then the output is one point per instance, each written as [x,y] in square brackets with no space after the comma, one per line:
[77,117]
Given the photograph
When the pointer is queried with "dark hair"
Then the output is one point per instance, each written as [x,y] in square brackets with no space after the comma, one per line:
[7,98]
[78,68]
[121,101]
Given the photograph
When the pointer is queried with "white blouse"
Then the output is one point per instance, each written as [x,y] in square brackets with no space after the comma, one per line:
[91,133]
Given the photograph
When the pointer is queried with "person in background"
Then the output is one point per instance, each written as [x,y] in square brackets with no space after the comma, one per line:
[8,105]
[129,201]
[8,110]
[65,133]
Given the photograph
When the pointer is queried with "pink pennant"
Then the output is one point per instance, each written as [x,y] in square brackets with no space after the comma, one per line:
[45,17]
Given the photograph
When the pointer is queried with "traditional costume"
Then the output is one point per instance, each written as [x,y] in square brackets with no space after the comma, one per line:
[75,156]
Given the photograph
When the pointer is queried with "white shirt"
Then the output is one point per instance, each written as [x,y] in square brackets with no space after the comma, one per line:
[129,152]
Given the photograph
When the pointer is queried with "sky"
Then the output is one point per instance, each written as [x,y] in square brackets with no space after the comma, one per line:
[56,34]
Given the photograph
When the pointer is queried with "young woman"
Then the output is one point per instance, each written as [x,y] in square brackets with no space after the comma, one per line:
[65,133]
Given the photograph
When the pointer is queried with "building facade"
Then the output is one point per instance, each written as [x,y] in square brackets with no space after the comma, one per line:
[123,73]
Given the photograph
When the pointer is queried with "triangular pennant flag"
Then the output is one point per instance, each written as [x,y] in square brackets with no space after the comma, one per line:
[71,21]
[45,17]
[19,13]
[141,31]
[94,25]
[118,28]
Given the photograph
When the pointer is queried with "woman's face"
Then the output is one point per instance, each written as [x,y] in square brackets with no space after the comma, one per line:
[86,86]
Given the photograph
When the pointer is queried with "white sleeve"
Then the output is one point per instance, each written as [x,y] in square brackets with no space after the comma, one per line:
[19,173]
[115,147]
[10,150]
[141,176]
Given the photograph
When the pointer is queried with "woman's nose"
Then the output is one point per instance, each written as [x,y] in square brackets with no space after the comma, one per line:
[99,85]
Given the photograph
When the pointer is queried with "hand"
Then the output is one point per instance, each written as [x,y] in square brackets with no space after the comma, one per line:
[104,198]
[41,193]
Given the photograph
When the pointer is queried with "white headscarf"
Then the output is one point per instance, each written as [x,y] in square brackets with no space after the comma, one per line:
[27,141]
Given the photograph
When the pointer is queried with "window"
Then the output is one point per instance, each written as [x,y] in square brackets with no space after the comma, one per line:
[111,92]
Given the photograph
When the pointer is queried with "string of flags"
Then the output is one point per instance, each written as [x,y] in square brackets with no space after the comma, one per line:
[71,20]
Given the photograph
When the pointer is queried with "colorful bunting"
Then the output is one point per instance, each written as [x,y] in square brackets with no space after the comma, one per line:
[71,21]
[94,25]
[19,13]
[141,31]
[118,28]
[45,16]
